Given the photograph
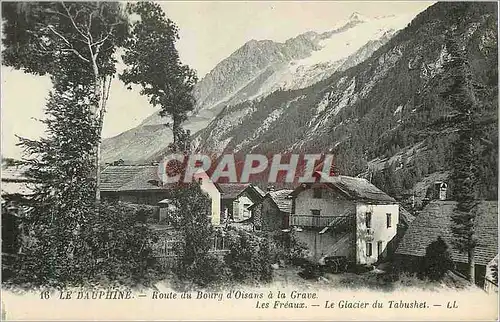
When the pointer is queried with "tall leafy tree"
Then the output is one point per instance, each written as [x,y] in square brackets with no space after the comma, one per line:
[153,63]
[72,242]
[74,43]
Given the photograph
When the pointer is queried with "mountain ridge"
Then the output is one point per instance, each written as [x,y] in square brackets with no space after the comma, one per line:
[291,65]
[377,109]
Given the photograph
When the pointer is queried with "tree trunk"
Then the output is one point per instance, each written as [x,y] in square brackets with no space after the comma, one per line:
[175,133]
[98,171]
[99,100]
[472,266]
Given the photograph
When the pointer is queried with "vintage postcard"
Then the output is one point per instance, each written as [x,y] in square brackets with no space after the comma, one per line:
[259,160]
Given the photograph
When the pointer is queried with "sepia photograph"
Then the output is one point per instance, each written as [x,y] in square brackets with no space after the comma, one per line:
[244,160]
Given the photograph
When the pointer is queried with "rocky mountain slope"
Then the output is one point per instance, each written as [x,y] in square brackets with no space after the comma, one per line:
[259,68]
[377,115]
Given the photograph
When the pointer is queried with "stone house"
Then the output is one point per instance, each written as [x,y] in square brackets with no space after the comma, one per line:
[140,184]
[344,216]
[15,188]
[434,221]
[273,211]
[236,200]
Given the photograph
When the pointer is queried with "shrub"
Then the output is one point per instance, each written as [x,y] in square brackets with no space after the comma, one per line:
[267,254]
[211,271]
[146,213]
[110,247]
[437,260]
[406,280]
[196,264]
[250,256]
[120,242]
[298,250]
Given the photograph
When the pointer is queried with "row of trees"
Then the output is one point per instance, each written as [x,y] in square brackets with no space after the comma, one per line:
[74,236]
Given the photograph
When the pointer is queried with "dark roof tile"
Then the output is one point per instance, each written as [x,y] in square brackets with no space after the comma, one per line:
[280,199]
[232,190]
[354,188]
[129,178]
[435,220]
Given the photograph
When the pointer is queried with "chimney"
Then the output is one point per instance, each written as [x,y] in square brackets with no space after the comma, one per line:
[439,191]
[442,191]
[270,188]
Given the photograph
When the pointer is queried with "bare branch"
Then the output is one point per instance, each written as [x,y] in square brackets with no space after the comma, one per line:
[100,42]
[487,142]
[77,13]
[76,53]
[108,90]
[73,22]
[107,48]
[68,43]
[57,13]
[89,26]
[60,36]
[64,50]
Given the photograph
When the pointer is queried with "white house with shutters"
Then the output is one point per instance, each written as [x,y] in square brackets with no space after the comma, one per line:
[344,216]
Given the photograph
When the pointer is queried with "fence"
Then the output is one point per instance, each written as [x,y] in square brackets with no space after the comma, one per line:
[165,252]
[318,221]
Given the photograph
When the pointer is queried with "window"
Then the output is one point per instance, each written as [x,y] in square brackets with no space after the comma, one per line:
[317,193]
[286,222]
[368,249]
[368,220]
[315,219]
[145,199]
[389,220]
[380,249]
[246,211]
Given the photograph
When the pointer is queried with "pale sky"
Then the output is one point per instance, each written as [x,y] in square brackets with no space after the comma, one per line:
[209,32]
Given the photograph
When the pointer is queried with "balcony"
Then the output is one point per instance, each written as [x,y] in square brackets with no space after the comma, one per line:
[319,221]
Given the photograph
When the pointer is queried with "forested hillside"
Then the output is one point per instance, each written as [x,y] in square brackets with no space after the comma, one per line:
[379,117]
[255,70]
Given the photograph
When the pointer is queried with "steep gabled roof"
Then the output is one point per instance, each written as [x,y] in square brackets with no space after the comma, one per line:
[130,178]
[261,192]
[352,188]
[405,217]
[15,181]
[15,173]
[281,200]
[232,190]
[435,220]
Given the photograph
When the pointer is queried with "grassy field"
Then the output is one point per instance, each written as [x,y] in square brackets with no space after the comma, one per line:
[376,280]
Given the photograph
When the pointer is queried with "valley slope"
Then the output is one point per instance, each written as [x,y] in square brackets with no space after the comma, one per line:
[377,117]
[257,69]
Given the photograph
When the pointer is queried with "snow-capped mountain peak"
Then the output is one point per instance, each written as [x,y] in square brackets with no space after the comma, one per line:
[261,67]
[357,17]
